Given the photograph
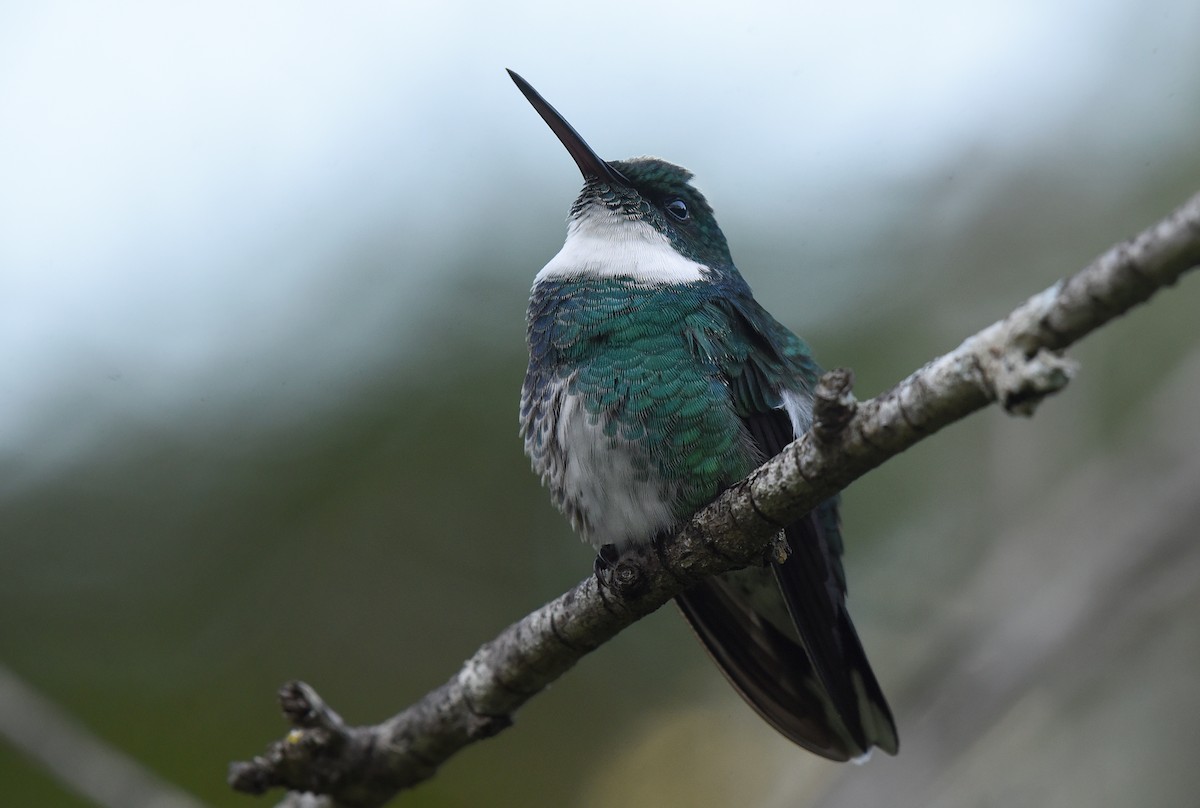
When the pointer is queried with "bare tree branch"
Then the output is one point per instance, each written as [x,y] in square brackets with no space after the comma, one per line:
[1014,362]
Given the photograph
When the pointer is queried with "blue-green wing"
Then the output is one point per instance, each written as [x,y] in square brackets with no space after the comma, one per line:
[810,680]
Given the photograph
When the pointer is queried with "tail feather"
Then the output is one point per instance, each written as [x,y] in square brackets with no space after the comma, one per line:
[791,650]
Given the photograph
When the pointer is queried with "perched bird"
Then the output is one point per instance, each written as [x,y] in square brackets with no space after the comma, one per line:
[655,381]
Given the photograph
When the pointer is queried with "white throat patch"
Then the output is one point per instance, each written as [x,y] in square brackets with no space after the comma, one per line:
[602,243]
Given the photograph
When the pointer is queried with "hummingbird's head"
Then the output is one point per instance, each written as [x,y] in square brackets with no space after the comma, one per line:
[659,194]
[639,217]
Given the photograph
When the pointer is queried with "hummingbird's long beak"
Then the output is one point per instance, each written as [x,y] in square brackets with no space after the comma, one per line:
[588,161]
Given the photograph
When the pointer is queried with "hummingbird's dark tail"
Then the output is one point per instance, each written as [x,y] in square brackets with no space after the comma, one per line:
[783,636]
[802,668]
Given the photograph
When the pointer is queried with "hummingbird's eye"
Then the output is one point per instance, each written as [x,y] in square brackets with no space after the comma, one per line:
[678,209]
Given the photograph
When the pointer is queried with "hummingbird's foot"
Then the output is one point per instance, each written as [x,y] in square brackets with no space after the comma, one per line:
[606,558]
[618,573]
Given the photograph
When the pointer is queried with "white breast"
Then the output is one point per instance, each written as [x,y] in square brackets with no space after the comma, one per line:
[608,487]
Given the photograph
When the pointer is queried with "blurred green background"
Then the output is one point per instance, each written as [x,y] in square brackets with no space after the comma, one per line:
[263,271]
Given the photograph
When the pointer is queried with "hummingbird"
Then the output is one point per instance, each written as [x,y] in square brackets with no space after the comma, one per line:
[655,381]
